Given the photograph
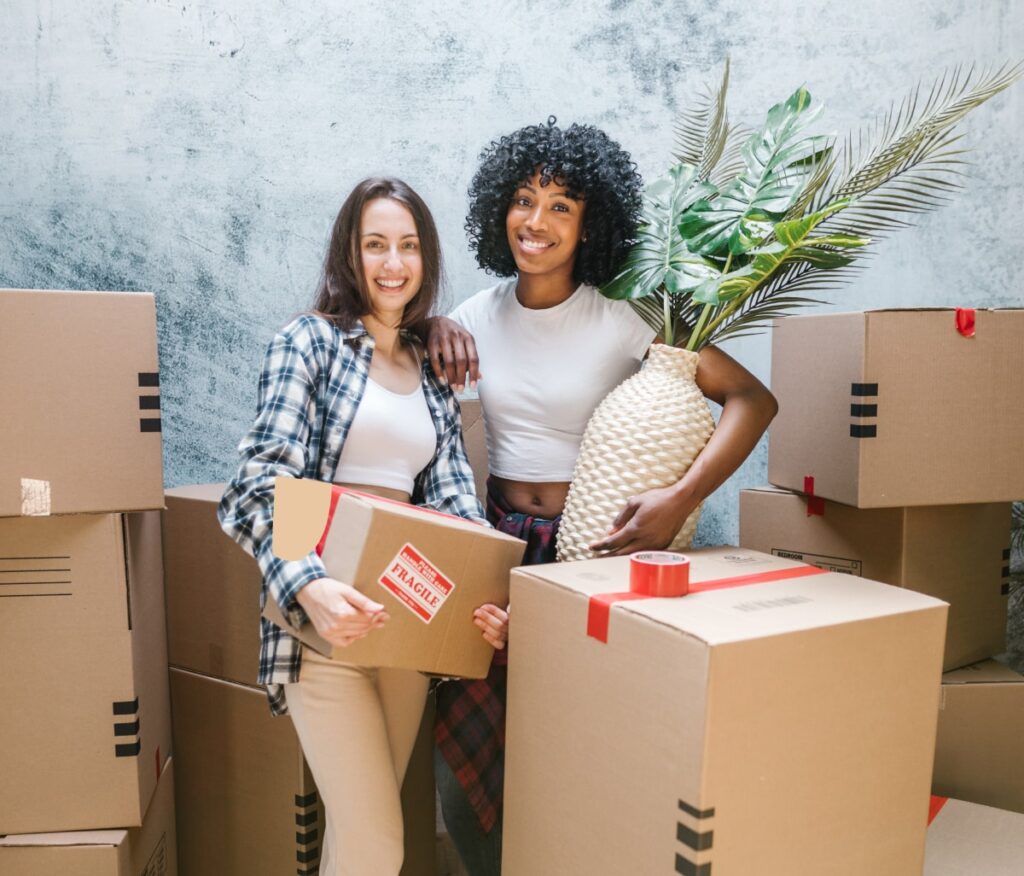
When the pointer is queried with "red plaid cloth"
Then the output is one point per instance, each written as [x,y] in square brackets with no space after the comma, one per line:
[470,727]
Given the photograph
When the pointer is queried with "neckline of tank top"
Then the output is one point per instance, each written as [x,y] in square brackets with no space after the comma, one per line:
[543,312]
[406,395]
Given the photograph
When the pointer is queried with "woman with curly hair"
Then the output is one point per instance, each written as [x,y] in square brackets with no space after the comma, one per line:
[554,212]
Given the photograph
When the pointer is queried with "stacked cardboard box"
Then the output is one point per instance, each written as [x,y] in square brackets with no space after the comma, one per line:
[243,784]
[897,448]
[965,839]
[86,734]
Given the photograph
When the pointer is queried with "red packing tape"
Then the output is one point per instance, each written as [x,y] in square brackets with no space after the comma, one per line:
[659,573]
[935,807]
[600,605]
[815,504]
[965,318]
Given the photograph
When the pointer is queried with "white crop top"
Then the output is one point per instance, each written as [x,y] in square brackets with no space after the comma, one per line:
[391,440]
[543,372]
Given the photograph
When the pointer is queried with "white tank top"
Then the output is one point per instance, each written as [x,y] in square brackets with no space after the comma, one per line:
[545,371]
[391,440]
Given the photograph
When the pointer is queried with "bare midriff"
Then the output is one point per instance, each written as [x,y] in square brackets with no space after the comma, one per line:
[537,499]
[383,492]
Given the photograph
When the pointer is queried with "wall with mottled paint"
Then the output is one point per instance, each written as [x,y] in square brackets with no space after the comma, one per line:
[201,150]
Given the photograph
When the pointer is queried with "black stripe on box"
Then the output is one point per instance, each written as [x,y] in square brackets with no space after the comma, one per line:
[149,378]
[1005,589]
[128,749]
[304,819]
[127,729]
[304,856]
[699,842]
[862,389]
[1006,553]
[859,430]
[308,800]
[688,868]
[863,410]
[127,707]
[149,402]
[1005,573]
[310,836]
[695,812]
[149,424]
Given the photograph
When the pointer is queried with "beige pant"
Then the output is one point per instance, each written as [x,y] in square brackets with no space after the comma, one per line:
[357,727]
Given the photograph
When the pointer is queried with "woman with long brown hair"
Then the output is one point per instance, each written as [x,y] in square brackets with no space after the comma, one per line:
[347,396]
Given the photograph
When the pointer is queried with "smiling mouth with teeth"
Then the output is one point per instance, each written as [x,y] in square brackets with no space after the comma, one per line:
[391,284]
[534,245]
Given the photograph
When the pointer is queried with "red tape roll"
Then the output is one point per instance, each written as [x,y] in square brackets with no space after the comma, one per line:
[659,573]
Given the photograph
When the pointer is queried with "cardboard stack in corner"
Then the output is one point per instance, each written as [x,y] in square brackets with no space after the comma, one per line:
[895,455]
[86,737]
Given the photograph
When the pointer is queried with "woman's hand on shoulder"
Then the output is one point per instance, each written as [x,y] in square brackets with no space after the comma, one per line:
[339,612]
[493,621]
[452,353]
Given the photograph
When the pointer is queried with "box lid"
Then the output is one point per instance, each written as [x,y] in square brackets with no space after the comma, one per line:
[198,492]
[985,672]
[71,838]
[749,608]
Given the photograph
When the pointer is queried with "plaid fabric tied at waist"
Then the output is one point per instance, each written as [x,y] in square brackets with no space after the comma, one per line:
[470,726]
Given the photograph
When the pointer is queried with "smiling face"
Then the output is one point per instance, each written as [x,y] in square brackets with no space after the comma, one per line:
[544,226]
[389,249]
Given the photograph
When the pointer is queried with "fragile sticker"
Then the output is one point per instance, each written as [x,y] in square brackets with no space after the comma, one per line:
[417,583]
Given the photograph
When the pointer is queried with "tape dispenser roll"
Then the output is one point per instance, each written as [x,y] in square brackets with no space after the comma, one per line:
[659,573]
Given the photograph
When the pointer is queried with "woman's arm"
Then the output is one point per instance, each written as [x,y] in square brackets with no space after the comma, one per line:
[651,520]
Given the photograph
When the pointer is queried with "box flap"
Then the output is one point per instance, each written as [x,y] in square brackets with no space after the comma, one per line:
[198,492]
[750,610]
[985,672]
[71,838]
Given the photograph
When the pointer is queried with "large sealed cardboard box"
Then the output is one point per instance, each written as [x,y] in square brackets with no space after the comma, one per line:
[896,407]
[746,728]
[149,850]
[246,801]
[430,570]
[957,553]
[86,721]
[213,589]
[80,396]
[965,839]
[981,725]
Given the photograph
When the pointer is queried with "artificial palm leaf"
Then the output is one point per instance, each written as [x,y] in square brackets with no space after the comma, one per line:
[727,244]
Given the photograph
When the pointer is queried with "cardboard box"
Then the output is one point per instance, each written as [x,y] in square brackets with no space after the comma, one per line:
[149,850]
[981,725]
[80,395]
[213,589]
[430,570]
[890,408]
[765,728]
[957,553]
[246,801]
[86,721]
[475,439]
[965,839]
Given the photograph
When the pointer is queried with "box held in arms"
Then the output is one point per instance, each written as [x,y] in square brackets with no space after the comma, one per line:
[981,725]
[213,589]
[747,727]
[957,553]
[890,408]
[430,570]
[965,839]
[83,647]
[149,850]
[80,396]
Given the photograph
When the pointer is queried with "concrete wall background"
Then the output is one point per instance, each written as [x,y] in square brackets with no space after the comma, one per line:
[201,150]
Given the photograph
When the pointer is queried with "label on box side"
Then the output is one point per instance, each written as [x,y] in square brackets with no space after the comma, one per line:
[35,498]
[417,583]
[832,564]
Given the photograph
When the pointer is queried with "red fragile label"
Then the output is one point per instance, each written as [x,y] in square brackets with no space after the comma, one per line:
[416,583]
[935,807]
[600,606]
[965,317]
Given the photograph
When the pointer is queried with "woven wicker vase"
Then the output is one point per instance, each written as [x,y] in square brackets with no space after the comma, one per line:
[645,434]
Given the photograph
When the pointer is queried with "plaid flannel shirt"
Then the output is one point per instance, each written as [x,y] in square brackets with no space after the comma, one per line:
[313,379]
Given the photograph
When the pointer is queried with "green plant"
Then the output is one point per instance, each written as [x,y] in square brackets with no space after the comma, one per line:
[744,225]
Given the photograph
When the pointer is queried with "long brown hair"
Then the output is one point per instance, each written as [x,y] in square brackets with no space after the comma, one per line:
[341,295]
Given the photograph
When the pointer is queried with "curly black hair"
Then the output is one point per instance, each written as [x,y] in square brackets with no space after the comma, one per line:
[588,163]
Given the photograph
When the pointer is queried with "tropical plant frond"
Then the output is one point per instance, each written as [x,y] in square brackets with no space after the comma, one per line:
[909,151]
[701,132]
[731,165]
